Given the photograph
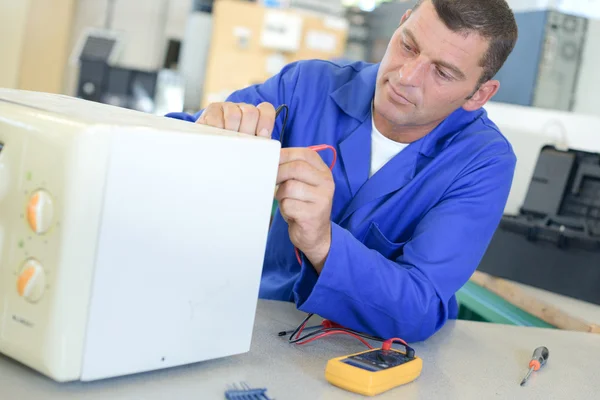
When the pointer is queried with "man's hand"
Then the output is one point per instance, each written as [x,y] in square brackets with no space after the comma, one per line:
[305,198]
[240,117]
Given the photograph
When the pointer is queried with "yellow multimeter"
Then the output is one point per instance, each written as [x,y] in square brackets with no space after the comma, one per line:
[374,371]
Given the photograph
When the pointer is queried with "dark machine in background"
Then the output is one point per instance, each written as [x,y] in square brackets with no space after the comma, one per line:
[123,87]
[554,242]
[101,79]
[543,69]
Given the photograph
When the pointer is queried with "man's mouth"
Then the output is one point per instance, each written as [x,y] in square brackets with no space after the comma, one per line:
[397,96]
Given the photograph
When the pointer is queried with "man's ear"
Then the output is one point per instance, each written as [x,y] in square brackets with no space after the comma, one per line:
[482,95]
[405,16]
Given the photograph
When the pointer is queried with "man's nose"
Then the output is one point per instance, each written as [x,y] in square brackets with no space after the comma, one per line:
[413,72]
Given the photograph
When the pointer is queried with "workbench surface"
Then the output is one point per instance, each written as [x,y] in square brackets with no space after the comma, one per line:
[465,360]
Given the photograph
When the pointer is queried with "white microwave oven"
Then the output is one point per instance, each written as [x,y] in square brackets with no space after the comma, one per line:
[128,242]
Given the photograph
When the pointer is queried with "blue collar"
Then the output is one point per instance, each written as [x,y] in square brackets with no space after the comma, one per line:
[355,96]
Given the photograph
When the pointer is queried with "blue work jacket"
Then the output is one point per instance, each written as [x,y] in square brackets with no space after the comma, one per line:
[403,241]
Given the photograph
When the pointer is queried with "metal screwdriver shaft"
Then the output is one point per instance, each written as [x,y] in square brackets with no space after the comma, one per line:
[539,359]
[524,381]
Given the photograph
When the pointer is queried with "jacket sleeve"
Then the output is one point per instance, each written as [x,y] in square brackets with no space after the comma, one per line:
[409,297]
[277,90]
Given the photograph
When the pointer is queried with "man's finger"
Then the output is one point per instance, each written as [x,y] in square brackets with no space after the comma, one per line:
[250,115]
[293,210]
[213,116]
[301,171]
[232,116]
[297,190]
[202,118]
[303,154]
[266,120]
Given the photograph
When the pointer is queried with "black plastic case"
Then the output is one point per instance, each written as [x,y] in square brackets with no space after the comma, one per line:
[554,242]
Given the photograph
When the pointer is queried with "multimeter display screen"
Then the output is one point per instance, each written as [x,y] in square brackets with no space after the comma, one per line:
[377,360]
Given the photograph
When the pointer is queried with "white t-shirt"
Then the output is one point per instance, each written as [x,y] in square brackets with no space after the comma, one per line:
[382,149]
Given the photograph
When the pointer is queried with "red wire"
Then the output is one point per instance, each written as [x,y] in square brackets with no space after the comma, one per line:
[327,324]
[301,329]
[318,147]
[388,343]
[298,255]
[322,335]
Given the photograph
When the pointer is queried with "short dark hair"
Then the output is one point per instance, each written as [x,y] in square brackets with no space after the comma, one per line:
[491,19]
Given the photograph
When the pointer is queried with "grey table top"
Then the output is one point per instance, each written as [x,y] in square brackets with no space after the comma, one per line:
[465,360]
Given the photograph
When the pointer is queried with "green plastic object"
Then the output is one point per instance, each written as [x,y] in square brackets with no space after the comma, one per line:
[479,304]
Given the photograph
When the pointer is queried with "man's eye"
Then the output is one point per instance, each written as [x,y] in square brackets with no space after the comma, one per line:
[407,47]
[442,74]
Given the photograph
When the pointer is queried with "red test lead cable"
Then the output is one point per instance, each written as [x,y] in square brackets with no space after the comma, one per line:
[318,147]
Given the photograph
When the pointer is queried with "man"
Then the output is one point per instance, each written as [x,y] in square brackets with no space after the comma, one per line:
[401,222]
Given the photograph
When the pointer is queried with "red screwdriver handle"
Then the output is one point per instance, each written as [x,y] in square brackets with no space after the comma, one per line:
[535,364]
[540,356]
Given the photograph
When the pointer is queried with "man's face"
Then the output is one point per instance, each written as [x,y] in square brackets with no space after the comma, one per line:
[428,71]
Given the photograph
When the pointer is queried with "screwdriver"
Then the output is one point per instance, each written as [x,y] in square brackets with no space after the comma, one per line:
[539,359]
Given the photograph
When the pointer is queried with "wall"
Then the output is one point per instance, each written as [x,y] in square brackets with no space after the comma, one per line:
[531,5]
[13,20]
[143,31]
[584,8]
[177,18]
[46,45]
[36,54]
